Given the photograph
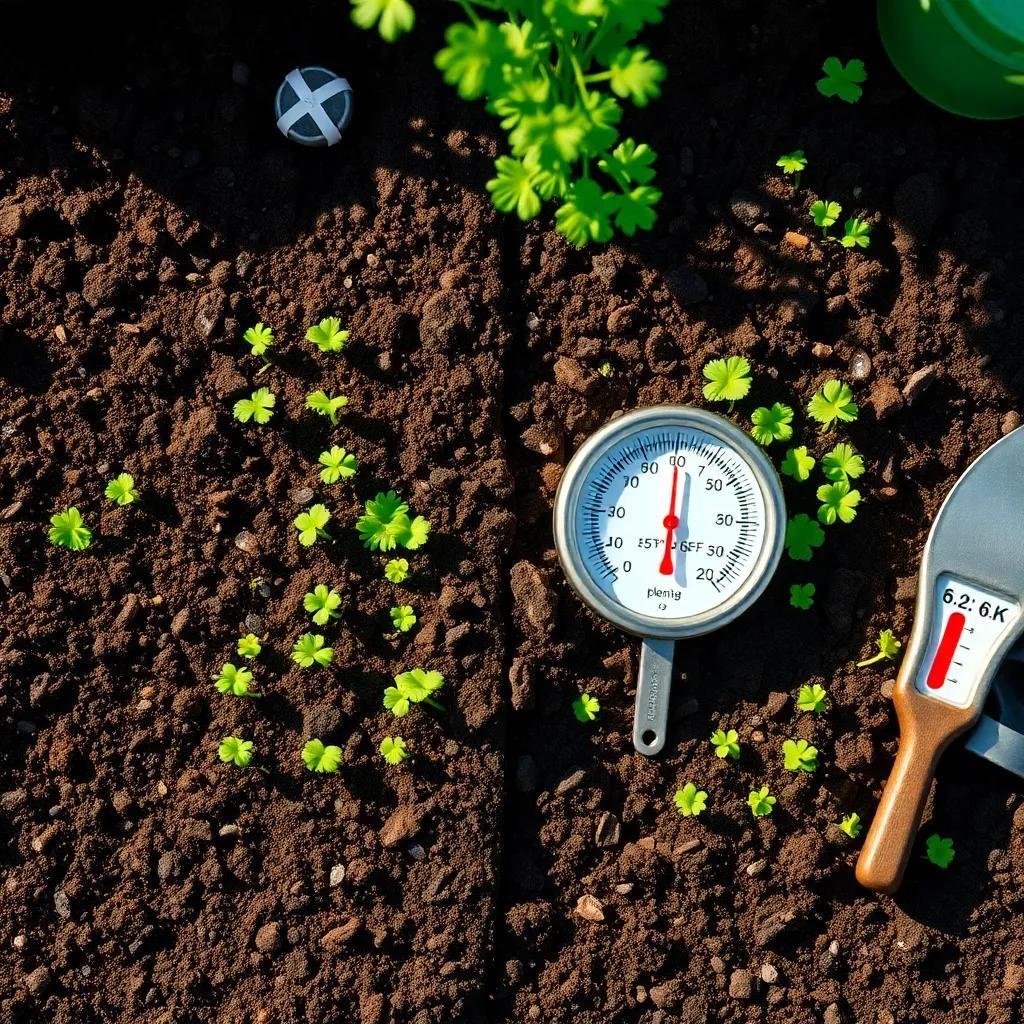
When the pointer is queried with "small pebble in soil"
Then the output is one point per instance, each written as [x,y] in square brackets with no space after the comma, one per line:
[860,365]
[608,831]
[417,852]
[769,974]
[590,908]
[625,888]
[820,350]
[337,875]
[756,867]
[246,542]
[62,904]
[301,495]
[228,831]
[268,938]
[918,381]
[20,941]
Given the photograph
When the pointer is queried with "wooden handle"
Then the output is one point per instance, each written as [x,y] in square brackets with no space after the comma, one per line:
[894,828]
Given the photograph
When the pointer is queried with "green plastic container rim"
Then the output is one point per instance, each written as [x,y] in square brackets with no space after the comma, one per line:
[978,28]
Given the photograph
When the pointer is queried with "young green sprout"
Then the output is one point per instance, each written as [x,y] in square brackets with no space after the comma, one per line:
[842,464]
[310,650]
[690,801]
[842,80]
[311,523]
[235,681]
[397,570]
[939,851]
[772,424]
[606,369]
[232,750]
[249,646]
[394,750]
[121,490]
[801,595]
[794,163]
[403,618]
[851,825]
[386,524]
[413,687]
[322,604]
[728,380]
[258,407]
[68,530]
[338,465]
[838,502]
[812,698]
[320,758]
[888,648]
[726,743]
[586,708]
[326,405]
[259,339]
[856,234]
[760,802]
[328,335]
[802,534]
[831,404]
[799,756]
[797,463]
[824,213]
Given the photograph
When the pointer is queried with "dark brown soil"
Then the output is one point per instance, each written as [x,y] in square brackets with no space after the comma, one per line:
[148,214]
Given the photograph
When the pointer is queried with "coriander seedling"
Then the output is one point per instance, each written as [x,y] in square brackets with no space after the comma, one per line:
[258,407]
[322,604]
[812,698]
[326,405]
[232,750]
[794,163]
[801,595]
[939,851]
[259,339]
[235,681]
[799,756]
[397,570]
[328,335]
[842,463]
[772,424]
[403,618]
[802,534]
[690,801]
[320,758]
[338,465]
[888,648]
[121,490]
[413,687]
[838,503]
[249,646]
[760,802]
[824,213]
[726,743]
[851,825]
[310,650]
[394,749]
[831,404]
[842,80]
[856,234]
[311,523]
[728,380]
[386,524]
[606,369]
[586,708]
[797,463]
[68,530]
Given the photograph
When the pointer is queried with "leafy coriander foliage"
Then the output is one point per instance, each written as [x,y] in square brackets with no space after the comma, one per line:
[311,523]
[794,163]
[403,618]
[259,339]
[232,750]
[397,570]
[812,698]
[121,490]
[328,335]
[386,524]
[851,825]
[322,603]
[586,708]
[838,503]
[326,405]
[799,756]
[413,687]
[237,682]
[802,534]
[856,234]
[801,595]
[939,851]
[320,758]
[842,80]
[797,463]
[825,213]
[249,646]
[728,379]
[774,424]
[258,407]
[394,749]
[726,743]
[842,463]
[310,649]
[760,802]
[68,530]
[338,465]
[690,801]
[888,648]
[542,71]
[831,404]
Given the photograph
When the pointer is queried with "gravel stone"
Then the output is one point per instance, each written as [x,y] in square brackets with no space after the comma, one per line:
[741,984]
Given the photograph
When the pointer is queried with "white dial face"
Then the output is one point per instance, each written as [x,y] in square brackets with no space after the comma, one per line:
[968,625]
[670,522]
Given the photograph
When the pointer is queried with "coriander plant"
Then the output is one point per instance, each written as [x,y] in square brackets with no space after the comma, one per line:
[68,530]
[802,534]
[310,650]
[838,502]
[831,404]
[856,234]
[311,523]
[235,681]
[259,339]
[728,380]
[842,463]
[842,80]
[939,851]
[812,698]
[851,825]
[888,648]
[232,750]
[121,490]
[386,525]
[258,407]
[322,604]
[328,335]
[249,646]
[320,758]
[726,743]
[413,687]
[772,424]
[794,163]
[690,801]
[824,213]
[338,465]
[394,749]
[403,618]
[760,802]
[797,463]
[326,405]
[799,756]
[801,595]
[397,570]
[586,708]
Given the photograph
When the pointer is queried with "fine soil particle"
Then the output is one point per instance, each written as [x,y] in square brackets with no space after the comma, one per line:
[522,866]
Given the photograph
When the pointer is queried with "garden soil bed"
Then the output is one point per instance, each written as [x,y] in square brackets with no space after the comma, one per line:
[148,214]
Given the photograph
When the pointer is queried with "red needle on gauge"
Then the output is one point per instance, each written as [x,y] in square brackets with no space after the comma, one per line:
[671,524]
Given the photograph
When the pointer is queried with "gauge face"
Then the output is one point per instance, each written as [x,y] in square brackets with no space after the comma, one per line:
[673,521]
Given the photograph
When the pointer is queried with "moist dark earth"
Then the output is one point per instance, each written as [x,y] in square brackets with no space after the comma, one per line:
[149,213]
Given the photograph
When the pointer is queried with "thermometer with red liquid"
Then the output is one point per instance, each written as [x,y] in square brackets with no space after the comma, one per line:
[969,613]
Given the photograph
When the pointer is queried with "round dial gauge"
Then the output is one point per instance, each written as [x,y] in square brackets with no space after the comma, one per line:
[669,521]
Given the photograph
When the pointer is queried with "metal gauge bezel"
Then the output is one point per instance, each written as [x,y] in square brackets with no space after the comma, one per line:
[569,495]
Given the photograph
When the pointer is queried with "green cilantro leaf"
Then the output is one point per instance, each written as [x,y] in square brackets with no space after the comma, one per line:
[838,502]
[802,534]
[690,801]
[772,424]
[797,463]
[843,81]
[68,530]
